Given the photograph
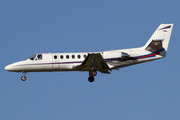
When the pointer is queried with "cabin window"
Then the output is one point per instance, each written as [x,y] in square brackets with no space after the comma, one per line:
[73,56]
[67,56]
[55,57]
[61,56]
[79,56]
[84,56]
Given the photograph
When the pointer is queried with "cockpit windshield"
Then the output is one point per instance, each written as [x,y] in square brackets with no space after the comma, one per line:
[39,56]
[32,57]
[36,57]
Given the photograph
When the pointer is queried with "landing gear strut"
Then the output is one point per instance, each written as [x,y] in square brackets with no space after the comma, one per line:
[91,75]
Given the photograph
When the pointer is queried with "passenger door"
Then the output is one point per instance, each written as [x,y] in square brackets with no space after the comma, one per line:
[55,61]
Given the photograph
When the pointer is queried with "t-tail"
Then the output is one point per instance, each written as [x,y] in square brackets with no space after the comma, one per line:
[159,41]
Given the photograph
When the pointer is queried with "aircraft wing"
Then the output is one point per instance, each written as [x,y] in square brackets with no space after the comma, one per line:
[94,61]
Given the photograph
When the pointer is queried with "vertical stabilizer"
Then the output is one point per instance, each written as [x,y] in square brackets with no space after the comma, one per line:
[162,33]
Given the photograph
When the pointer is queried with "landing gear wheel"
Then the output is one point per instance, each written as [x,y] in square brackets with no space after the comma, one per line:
[91,79]
[93,73]
[23,78]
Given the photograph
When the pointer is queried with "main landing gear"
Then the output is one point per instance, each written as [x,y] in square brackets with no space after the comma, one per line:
[91,75]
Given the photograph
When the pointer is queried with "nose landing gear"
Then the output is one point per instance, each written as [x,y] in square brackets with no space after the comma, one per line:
[23,78]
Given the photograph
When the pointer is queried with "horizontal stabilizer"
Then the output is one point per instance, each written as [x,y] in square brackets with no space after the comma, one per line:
[125,56]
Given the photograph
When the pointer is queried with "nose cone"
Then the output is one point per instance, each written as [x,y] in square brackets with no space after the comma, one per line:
[8,67]
[16,67]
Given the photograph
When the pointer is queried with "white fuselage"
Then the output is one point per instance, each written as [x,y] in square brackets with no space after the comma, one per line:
[67,61]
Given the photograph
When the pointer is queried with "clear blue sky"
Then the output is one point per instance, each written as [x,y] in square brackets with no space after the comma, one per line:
[148,91]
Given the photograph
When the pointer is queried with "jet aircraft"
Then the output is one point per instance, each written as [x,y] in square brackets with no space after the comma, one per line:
[104,62]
